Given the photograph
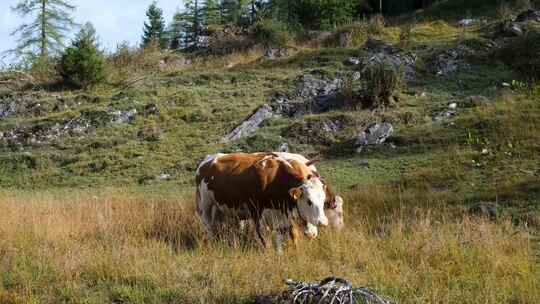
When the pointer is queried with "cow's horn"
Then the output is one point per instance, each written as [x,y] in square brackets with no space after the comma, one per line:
[313,161]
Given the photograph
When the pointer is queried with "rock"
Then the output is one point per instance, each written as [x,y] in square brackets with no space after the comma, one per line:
[487,209]
[352,61]
[452,106]
[7,108]
[374,134]
[450,61]
[284,147]
[151,109]
[363,164]
[163,176]
[315,94]
[380,52]
[515,30]
[478,100]
[466,22]
[250,125]
[529,15]
[444,115]
[276,53]
[506,85]
[124,117]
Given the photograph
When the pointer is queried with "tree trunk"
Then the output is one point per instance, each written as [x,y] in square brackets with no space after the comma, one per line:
[43,30]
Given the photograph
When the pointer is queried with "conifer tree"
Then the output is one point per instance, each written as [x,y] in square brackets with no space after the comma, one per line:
[154,29]
[82,63]
[44,35]
[176,31]
[211,13]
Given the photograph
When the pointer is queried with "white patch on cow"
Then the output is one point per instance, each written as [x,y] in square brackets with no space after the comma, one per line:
[311,231]
[293,156]
[335,216]
[311,203]
[207,159]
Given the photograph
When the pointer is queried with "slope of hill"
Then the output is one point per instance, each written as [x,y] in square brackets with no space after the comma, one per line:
[446,210]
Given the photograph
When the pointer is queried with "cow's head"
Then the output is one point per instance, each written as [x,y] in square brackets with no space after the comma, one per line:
[310,197]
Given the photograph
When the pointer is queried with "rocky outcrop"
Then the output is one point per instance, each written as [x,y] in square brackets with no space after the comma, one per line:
[276,53]
[529,15]
[450,61]
[250,125]
[379,52]
[315,94]
[374,134]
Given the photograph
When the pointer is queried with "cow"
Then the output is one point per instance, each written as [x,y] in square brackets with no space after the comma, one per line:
[250,184]
[333,204]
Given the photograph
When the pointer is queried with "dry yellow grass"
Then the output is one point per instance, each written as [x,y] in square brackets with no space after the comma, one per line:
[119,246]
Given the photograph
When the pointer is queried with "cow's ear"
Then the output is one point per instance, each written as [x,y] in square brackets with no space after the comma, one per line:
[295,193]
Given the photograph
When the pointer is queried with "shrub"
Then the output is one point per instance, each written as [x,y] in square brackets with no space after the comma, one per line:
[376,25]
[382,81]
[357,35]
[83,64]
[504,12]
[405,35]
[271,33]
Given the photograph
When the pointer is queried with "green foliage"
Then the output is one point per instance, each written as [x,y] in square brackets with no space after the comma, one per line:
[271,33]
[83,64]
[154,29]
[51,22]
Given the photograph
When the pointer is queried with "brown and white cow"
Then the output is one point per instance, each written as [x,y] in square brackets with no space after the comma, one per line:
[250,184]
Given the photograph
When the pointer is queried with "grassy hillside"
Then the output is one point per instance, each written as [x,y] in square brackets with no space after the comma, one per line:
[97,199]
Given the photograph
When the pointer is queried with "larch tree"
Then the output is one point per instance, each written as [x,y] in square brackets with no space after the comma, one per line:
[154,28]
[45,34]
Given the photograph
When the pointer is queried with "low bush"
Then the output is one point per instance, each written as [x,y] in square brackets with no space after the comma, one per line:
[83,64]
[382,81]
[356,33]
[271,33]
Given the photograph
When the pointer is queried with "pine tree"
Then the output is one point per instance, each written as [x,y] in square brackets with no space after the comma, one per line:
[177,31]
[82,63]
[211,13]
[154,29]
[194,22]
[45,34]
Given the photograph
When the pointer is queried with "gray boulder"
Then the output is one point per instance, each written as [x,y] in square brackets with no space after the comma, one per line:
[529,15]
[276,53]
[380,52]
[250,125]
[315,94]
[374,134]
[7,108]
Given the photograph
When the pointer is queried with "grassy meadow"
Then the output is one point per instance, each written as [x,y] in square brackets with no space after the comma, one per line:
[124,246]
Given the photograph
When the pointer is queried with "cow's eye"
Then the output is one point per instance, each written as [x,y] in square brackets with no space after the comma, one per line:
[310,203]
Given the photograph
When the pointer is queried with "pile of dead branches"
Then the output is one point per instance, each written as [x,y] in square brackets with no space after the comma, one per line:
[331,290]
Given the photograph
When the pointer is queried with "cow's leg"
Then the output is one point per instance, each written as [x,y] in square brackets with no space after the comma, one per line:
[260,226]
[206,208]
[294,234]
